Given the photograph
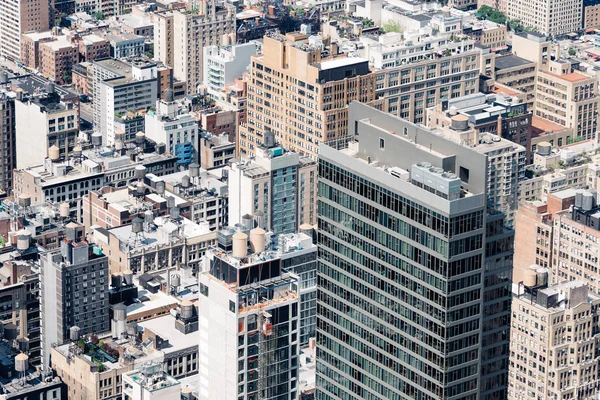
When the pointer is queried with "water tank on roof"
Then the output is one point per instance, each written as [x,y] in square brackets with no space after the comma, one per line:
[22,363]
[530,278]
[140,172]
[120,312]
[240,245]
[187,309]
[542,277]
[247,221]
[10,331]
[259,219]
[74,333]
[160,187]
[170,202]
[257,240]
[116,280]
[140,189]
[194,170]
[140,138]
[544,148]
[119,145]
[77,151]
[96,139]
[25,200]
[174,212]
[23,344]
[175,280]
[128,277]
[137,225]
[54,153]
[588,201]
[579,197]
[185,181]
[452,111]
[459,122]
[132,328]
[148,217]
[22,242]
[64,210]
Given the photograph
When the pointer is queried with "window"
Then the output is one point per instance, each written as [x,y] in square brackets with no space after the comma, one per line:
[382,143]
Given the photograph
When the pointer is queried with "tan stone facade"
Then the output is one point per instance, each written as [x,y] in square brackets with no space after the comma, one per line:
[299,96]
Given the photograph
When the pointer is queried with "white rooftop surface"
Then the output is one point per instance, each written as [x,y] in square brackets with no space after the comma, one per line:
[165,328]
[307,374]
[93,39]
[341,62]
[156,300]
[61,42]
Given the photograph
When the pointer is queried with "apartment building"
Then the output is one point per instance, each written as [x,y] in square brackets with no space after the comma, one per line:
[223,64]
[30,47]
[120,86]
[125,44]
[486,33]
[163,37]
[415,71]
[171,124]
[18,17]
[516,73]
[216,150]
[480,126]
[300,93]
[57,58]
[279,184]
[568,98]
[388,176]
[532,46]
[194,29]
[552,18]
[534,229]
[250,338]
[553,340]
[8,154]
[80,300]
[591,15]
[576,242]
[44,122]
[93,47]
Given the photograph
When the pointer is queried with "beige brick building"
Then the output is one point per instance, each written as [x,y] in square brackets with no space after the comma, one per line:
[301,95]
[554,337]
[568,98]
[549,17]
[30,47]
[194,29]
[591,16]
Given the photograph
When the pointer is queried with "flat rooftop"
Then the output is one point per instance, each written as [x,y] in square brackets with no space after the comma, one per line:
[158,300]
[165,328]
[340,62]
[507,62]
[545,125]
[572,77]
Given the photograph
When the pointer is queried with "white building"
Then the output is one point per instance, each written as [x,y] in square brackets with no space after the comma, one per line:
[248,324]
[172,125]
[150,382]
[223,64]
[549,17]
[121,86]
[124,44]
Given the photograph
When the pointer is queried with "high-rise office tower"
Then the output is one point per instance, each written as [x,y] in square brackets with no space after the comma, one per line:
[17,17]
[414,271]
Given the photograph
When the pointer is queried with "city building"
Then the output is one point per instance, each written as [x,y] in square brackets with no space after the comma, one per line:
[163,243]
[516,73]
[57,58]
[552,18]
[82,75]
[295,66]
[93,47]
[568,98]
[486,33]
[124,44]
[202,24]
[80,300]
[415,70]
[17,17]
[150,382]
[223,64]
[30,47]
[222,118]
[68,180]
[120,86]
[170,123]
[46,126]
[8,160]
[278,183]
[129,123]
[215,150]
[553,338]
[473,122]
[163,37]
[249,322]
[205,195]
[591,14]
[389,204]
[575,242]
